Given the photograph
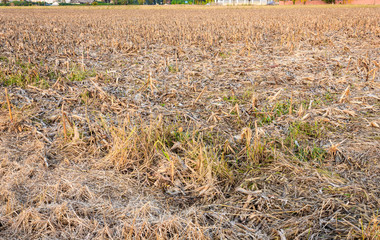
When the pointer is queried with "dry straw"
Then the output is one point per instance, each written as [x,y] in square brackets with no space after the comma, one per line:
[222,123]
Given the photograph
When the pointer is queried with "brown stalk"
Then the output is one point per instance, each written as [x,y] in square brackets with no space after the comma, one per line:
[199,96]
[254,101]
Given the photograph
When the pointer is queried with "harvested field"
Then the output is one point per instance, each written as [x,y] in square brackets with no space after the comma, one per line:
[190,123]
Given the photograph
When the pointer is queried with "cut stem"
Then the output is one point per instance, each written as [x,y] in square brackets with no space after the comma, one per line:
[199,96]
[9,105]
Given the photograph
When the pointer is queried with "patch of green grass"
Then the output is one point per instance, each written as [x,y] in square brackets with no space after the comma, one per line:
[3,59]
[177,136]
[172,69]
[84,96]
[328,97]
[348,195]
[271,113]
[22,74]
[255,153]
[22,78]
[79,75]
[282,108]
[231,99]
[265,119]
[314,103]
[24,65]
[224,55]
[310,153]
[304,130]
[299,138]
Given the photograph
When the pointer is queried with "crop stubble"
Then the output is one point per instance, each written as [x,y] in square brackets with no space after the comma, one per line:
[197,122]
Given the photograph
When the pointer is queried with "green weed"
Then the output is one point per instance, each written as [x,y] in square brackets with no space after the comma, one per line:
[79,75]
[298,138]
[172,69]
[231,99]
[269,114]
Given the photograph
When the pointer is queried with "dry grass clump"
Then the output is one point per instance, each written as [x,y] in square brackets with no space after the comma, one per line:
[189,123]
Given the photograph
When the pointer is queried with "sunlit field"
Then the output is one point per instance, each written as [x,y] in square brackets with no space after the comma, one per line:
[169,122]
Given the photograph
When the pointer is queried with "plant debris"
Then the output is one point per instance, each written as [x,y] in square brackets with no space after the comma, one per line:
[176,122]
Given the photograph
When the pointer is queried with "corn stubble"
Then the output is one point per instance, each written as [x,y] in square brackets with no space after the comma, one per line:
[189,123]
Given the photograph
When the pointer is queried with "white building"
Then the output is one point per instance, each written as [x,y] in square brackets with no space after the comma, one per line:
[243,2]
